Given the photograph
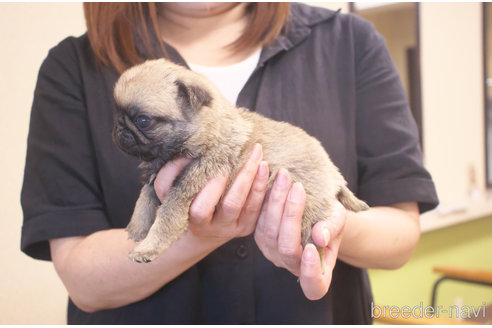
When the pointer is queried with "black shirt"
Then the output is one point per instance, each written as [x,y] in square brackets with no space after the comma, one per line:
[331,74]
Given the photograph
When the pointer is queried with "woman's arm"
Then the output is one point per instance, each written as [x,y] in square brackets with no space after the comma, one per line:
[383,237]
[97,272]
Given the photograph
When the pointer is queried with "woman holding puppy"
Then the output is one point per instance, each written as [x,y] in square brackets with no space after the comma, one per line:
[241,260]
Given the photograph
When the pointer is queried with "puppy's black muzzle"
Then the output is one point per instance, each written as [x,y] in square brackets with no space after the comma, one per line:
[128,143]
[124,139]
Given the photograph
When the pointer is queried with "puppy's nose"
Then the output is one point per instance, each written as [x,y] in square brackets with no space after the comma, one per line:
[126,135]
[123,137]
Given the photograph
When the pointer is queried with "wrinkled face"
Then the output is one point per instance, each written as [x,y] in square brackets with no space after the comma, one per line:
[154,110]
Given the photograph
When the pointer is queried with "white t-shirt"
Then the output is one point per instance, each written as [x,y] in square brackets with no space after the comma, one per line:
[229,79]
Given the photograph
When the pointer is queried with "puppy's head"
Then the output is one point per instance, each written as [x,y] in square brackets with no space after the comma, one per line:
[156,103]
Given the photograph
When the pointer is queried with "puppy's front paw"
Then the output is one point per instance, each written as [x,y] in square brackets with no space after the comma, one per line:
[144,214]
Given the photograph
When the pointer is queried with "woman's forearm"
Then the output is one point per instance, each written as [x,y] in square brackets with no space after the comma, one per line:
[99,275]
[381,237]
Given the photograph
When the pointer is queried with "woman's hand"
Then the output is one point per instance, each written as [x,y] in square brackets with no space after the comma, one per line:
[218,216]
[277,222]
[278,235]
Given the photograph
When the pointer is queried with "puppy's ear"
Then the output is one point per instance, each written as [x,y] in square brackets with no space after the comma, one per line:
[193,97]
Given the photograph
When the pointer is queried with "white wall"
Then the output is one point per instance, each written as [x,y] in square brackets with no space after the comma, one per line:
[30,291]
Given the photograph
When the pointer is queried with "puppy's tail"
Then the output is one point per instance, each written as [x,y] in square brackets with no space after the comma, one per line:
[349,201]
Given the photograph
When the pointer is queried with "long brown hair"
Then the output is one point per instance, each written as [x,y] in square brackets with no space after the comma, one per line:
[113,28]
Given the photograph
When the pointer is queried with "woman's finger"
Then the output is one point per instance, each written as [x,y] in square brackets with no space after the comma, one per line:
[331,228]
[167,174]
[203,206]
[314,284]
[289,239]
[326,234]
[271,219]
[233,201]
[331,255]
[261,220]
[252,208]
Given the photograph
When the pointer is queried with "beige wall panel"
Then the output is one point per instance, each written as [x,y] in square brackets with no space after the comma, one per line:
[30,291]
[452,90]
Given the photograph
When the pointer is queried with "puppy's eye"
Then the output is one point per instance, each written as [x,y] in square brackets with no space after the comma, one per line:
[143,121]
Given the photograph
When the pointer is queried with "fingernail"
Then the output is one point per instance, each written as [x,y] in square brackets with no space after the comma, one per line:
[262,170]
[257,153]
[309,254]
[282,179]
[326,236]
[296,193]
